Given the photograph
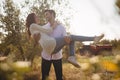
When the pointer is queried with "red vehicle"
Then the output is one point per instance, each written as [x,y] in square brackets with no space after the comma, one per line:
[96,49]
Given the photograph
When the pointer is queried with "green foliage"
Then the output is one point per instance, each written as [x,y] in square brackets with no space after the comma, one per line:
[61,7]
[116,44]
[118,5]
[11,25]
[14,38]
[29,50]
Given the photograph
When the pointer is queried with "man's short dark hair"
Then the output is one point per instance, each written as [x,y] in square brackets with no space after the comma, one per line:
[51,11]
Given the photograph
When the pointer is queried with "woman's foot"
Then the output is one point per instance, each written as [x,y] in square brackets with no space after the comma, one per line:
[98,38]
[73,61]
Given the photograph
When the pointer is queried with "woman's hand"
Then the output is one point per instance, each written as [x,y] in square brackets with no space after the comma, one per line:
[56,23]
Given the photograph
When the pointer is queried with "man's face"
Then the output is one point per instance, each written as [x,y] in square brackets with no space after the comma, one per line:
[48,16]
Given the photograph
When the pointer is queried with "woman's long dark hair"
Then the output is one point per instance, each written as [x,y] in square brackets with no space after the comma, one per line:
[29,20]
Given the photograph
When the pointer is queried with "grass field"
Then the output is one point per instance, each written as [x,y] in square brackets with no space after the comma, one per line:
[92,68]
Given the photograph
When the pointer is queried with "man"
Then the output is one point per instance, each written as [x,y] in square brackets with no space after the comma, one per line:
[56,59]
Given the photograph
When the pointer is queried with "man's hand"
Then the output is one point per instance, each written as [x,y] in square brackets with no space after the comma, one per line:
[56,23]
[67,39]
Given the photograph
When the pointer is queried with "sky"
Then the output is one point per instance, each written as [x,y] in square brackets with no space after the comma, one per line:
[93,17]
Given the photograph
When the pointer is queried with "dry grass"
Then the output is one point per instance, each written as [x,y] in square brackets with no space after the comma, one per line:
[72,73]
[69,73]
[90,68]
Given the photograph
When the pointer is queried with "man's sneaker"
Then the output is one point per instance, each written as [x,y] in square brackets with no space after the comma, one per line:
[73,61]
[98,38]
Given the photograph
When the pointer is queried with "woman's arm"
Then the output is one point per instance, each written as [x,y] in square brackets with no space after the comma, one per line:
[37,28]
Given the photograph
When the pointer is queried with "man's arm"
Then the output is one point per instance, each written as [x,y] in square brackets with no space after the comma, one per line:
[66,36]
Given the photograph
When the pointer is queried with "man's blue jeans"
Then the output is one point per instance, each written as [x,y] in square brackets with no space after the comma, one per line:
[60,43]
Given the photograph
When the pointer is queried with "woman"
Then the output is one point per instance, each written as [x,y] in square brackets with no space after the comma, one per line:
[50,44]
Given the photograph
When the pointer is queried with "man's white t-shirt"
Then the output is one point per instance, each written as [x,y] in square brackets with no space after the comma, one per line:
[58,31]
